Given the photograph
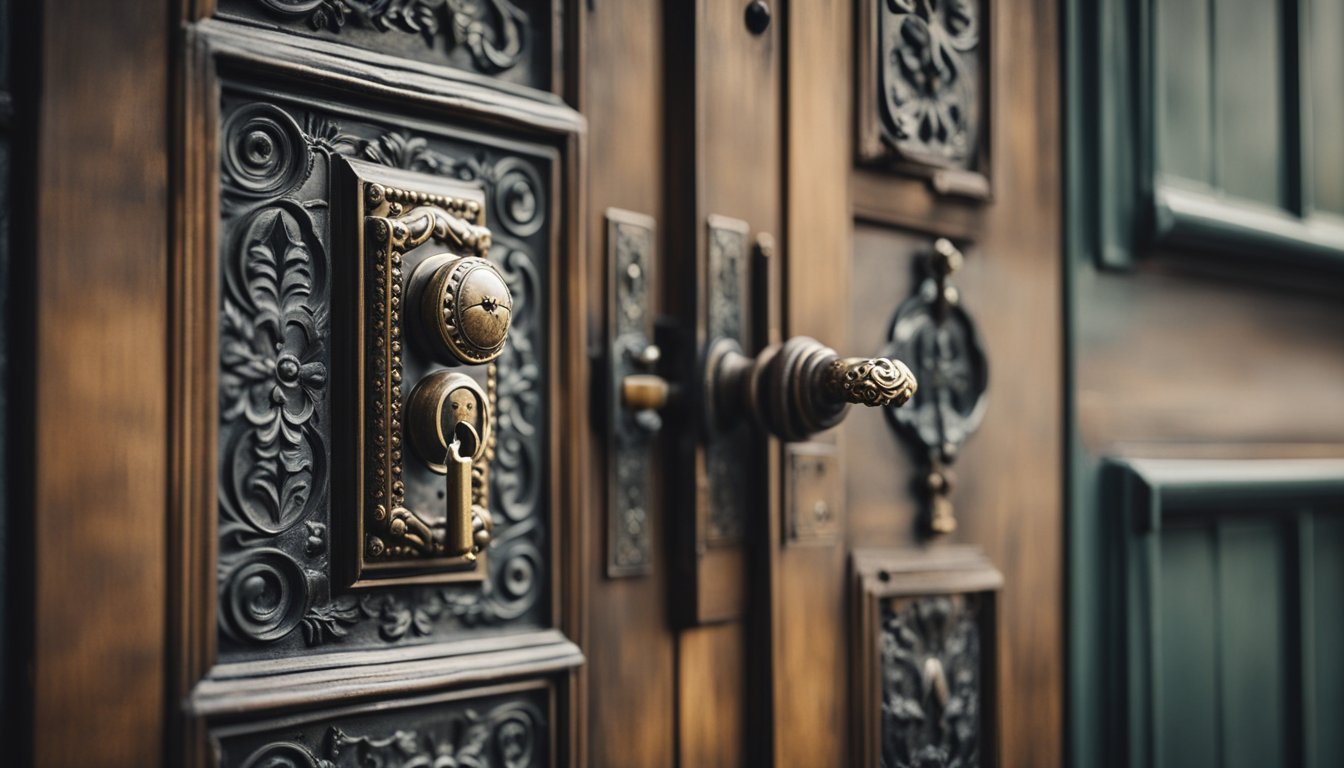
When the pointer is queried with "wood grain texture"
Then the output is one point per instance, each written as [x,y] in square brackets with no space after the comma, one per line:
[809,632]
[630,649]
[712,674]
[101,384]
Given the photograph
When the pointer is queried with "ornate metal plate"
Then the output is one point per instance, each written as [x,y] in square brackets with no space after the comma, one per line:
[725,450]
[936,337]
[399,503]
[631,245]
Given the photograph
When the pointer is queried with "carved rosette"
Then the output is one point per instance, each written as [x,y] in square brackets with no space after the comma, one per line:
[275,371]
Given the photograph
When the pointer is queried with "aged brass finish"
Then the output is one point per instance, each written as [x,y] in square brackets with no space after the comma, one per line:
[465,308]
[439,404]
[422,311]
[798,388]
[644,392]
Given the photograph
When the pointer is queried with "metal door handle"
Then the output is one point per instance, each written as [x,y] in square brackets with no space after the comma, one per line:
[798,388]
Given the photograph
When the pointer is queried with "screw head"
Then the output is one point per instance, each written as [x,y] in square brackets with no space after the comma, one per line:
[758,17]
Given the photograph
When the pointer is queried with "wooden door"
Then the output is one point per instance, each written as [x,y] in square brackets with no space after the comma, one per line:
[545,382]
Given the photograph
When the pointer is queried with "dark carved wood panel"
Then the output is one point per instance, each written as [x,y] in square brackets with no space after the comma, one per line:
[507,730]
[277,436]
[510,40]
[923,660]
[931,681]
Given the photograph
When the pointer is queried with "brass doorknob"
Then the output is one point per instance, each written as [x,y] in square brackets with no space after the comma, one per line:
[465,308]
[798,388]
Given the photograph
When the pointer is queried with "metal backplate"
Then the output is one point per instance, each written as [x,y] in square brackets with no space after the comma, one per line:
[813,494]
[631,247]
[391,483]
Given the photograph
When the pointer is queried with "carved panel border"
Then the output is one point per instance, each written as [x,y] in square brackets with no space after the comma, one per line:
[923,657]
[923,102]
[507,41]
[505,726]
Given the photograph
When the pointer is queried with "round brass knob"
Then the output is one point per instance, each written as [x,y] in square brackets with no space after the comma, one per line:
[465,308]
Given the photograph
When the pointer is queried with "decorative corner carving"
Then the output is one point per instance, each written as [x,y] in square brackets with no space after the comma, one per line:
[935,334]
[922,103]
[924,657]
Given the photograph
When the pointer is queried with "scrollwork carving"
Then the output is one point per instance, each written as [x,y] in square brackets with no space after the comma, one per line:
[273,372]
[264,596]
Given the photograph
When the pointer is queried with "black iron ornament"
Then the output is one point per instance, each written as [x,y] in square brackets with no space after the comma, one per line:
[939,341]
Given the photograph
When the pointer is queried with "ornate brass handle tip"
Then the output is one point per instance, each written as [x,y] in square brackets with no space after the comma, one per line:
[874,382]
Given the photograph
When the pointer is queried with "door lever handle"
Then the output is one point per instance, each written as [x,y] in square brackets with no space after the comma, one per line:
[798,388]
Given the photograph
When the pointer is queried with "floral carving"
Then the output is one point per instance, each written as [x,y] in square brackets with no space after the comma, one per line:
[930,78]
[273,374]
[930,652]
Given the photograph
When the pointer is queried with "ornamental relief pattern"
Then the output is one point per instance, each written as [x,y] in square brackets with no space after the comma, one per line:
[931,682]
[502,38]
[930,78]
[503,732]
[275,594]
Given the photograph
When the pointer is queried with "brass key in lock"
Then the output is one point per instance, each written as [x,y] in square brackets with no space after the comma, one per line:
[450,429]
